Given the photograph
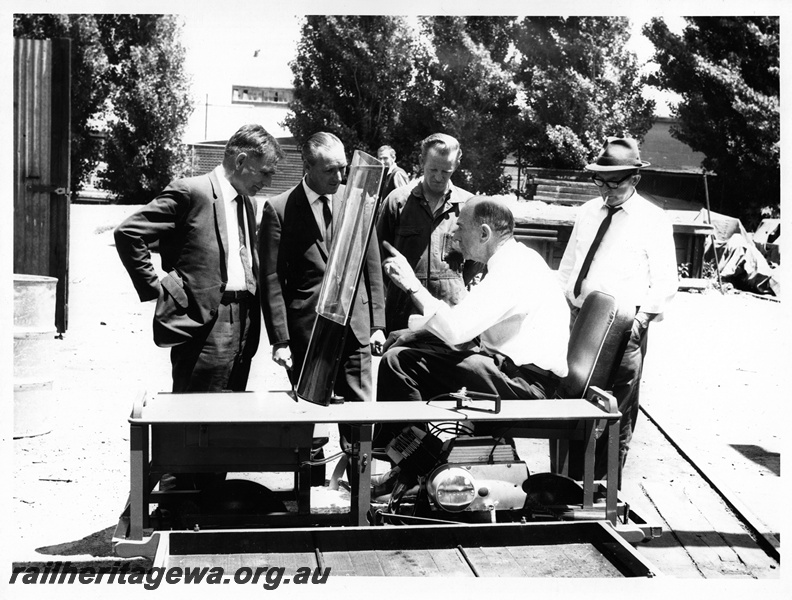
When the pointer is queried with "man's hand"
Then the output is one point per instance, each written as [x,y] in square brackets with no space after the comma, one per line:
[281,354]
[400,337]
[377,342]
[399,270]
[639,324]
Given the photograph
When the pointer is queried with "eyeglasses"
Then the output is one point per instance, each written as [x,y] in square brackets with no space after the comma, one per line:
[599,182]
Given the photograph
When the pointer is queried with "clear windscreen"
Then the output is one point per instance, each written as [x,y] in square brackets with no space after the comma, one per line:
[351,234]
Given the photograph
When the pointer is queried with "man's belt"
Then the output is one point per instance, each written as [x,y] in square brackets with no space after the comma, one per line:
[235,296]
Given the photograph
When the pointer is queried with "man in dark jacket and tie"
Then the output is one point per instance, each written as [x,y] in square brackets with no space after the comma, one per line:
[295,237]
[207,303]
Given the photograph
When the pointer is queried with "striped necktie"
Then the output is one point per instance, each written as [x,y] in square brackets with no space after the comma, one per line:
[250,280]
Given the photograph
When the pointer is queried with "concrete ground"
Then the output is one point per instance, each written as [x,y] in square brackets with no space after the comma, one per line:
[712,382]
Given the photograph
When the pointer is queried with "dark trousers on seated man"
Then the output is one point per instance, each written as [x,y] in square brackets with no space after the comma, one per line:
[407,373]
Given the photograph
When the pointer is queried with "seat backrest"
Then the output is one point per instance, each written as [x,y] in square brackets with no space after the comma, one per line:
[596,345]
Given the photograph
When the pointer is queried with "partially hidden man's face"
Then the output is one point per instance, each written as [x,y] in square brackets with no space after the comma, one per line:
[386,159]
[252,173]
[326,174]
[438,169]
[467,235]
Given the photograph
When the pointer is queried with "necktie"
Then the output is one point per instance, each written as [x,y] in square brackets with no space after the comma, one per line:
[594,245]
[328,220]
[250,280]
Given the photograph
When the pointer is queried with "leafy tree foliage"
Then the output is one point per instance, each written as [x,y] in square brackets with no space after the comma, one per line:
[726,69]
[150,105]
[579,84]
[550,88]
[89,64]
[350,78]
[460,90]
[128,79]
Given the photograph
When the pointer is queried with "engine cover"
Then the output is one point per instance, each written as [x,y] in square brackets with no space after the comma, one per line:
[482,474]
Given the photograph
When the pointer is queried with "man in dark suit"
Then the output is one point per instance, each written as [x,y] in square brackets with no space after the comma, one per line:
[294,246]
[207,303]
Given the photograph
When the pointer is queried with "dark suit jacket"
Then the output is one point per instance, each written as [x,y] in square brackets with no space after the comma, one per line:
[188,220]
[293,262]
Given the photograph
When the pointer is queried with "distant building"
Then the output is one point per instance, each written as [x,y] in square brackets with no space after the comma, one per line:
[667,153]
[250,94]
[216,119]
[207,155]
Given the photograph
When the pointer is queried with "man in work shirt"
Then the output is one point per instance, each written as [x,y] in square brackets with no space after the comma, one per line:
[418,220]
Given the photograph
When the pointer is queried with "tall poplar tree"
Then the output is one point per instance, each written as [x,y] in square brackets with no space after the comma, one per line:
[461,90]
[351,75]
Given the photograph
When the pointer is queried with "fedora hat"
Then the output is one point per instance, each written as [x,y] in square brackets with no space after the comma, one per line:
[618,154]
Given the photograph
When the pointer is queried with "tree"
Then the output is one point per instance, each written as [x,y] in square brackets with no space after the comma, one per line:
[726,69]
[579,84]
[90,86]
[549,88]
[351,74]
[461,90]
[150,105]
[128,80]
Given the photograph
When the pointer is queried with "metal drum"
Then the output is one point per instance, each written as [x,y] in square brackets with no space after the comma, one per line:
[34,351]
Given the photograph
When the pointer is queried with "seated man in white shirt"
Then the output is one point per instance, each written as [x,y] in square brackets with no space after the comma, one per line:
[508,336]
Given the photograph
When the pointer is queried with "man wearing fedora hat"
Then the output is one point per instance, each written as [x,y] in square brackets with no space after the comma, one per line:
[622,245]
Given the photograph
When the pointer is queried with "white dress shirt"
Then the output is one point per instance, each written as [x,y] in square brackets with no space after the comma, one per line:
[236,273]
[517,310]
[317,205]
[635,262]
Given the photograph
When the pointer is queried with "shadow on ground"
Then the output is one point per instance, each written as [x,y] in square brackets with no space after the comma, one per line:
[769,460]
[97,544]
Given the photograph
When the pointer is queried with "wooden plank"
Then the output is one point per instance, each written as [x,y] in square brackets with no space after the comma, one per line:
[367,564]
[60,161]
[342,564]
[752,560]
[681,506]
[585,560]
[279,407]
[408,563]
[291,561]
[552,199]
[450,563]
[496,562]
[198,561]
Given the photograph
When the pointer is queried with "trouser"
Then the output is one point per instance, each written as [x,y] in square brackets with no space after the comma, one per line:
[212,362]
[425,373]
[353,381]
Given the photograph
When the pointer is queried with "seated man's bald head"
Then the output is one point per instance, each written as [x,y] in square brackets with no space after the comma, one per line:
[493,212]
